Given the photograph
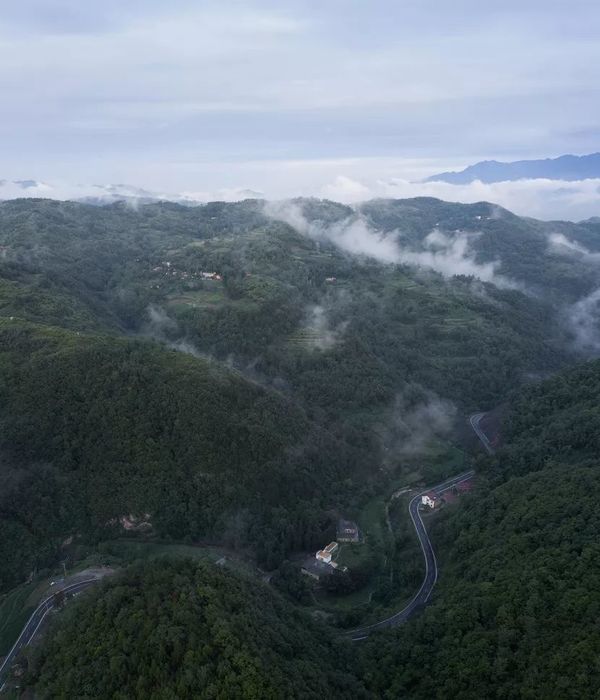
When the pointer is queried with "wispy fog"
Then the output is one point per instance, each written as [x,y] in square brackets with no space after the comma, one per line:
[559,243]
[319,331]
[583,318]
[161,327]
[450,254]
[447,253]
[539,198]
[414,423]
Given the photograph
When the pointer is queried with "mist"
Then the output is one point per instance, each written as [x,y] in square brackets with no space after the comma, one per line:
[416,421]
[583,319]
[164,329]
[320,334]
[559,244]
[446,253]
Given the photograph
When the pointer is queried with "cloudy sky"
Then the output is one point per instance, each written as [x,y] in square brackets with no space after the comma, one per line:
[336,97]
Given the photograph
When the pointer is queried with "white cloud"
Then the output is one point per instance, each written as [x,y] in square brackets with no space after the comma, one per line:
[584,320]
[320,333]
[560,244]
[345,189]
[414,424]
[448,254]
[124,85]
[352,235]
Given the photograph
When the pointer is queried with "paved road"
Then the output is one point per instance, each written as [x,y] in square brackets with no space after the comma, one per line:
[35,621]
[474,420]
[431,569]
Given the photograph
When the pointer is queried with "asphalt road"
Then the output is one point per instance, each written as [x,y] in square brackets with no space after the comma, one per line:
[35,622]
[431,569]
[475,419]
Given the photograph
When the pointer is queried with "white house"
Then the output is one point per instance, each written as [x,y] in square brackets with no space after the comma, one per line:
[327,553]
[430,499]
[324,556]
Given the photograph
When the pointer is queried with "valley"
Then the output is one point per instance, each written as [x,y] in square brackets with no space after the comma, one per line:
[216,386]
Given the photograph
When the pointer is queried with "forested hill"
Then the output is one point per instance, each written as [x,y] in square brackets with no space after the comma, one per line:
[516,610]
[334,335]
[94,428]
[214,636]
[245,373]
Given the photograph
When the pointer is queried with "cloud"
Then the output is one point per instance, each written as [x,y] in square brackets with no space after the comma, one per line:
[352,234]
[584,321]
[446,253]
[319,333]
[539,198]
[164,329]
[205,83]
[418,415]
[345,189]
[450,254]
[559,243]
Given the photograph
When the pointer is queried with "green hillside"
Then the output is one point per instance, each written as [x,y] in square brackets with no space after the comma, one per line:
[321,363]
[515,611]
[213,636]
[96,427]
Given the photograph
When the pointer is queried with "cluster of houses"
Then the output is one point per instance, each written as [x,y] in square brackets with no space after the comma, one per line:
[169,270]
[324,562]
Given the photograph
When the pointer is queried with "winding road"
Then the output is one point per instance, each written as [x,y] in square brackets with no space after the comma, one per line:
[431,569]
[474,420]
[35,622]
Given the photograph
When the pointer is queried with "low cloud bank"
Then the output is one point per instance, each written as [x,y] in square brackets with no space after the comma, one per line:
[539,198]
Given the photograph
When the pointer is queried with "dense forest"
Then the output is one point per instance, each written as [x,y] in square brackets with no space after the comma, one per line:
[124,427]
[178,629]
[516,611]
[241,375]
[299,363]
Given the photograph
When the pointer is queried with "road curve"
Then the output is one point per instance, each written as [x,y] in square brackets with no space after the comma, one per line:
[35,621]
[474,420]
[431,570]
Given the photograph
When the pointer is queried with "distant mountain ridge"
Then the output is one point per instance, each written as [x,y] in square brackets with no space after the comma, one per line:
[567,167]
[100,194]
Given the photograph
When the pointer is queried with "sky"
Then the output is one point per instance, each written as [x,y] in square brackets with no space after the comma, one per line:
[342,98]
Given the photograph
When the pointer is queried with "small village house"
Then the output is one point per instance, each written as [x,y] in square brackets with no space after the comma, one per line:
[326,554]
[430,499]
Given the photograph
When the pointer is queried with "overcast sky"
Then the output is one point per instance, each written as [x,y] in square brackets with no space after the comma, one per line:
[291,96]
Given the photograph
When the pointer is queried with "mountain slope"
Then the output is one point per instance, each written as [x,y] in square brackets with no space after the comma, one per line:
[355,356]
[515,611]
[128,427]
[215,635]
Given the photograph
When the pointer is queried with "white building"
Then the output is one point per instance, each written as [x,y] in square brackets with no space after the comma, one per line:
[431,500]
[327,553]
[324,556]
